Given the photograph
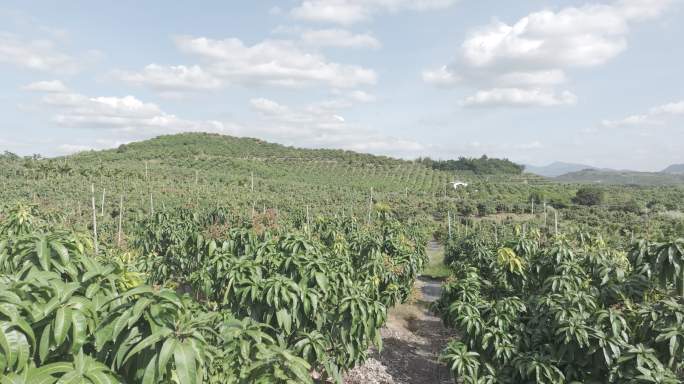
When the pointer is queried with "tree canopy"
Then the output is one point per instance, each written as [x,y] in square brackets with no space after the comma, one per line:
[588,196]
[482,166]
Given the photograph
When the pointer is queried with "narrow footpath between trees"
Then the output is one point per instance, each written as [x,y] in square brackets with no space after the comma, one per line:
[413,339]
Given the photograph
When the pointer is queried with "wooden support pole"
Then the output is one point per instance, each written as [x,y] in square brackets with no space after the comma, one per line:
[370,206]
[555,215]
[92,196]
[118,242]
[103,203]
[449,221]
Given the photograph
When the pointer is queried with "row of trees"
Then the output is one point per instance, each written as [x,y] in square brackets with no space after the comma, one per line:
[532,308]
[198,298]
[479,166]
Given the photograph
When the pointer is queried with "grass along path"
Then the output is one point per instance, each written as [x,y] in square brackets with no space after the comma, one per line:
[436,268]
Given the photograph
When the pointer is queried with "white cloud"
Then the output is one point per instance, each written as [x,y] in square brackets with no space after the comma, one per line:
[676,108]
[273,62]
[362,97]
[655,116]
[345,98]
[441,77]
[535,51]
[519,97]
[55,86]
[574,37]
[338,38]
[41,55]
[129,118]
[321,125]
[125,114]
[229,61]
[353,11]
[532,78]
[629,120]
[171,78]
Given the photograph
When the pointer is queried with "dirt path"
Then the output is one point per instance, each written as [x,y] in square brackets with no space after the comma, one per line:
[413,339]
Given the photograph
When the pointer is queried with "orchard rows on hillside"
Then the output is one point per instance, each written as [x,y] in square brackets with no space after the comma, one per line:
[200,258]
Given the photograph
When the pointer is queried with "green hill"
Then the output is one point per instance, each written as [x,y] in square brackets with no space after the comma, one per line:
[244,175]
[198,169]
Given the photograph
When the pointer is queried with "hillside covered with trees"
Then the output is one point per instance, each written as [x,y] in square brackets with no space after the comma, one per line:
[478,166]
[204,258]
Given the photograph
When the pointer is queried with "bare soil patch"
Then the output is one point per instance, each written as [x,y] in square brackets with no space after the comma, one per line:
[413,339]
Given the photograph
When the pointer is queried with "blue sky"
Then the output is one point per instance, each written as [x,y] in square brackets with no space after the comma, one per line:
[596,82]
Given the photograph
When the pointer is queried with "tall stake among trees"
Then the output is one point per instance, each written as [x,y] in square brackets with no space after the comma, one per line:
[92,192]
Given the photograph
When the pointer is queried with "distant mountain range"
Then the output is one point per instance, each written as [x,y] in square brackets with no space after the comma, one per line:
[556,169]
[581,173]
[677,169]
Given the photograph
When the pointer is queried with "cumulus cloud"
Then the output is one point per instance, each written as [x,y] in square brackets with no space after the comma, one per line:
[675,108]
[336,37]
[171,78]
[536,51]
[441,77]
[125,114]
[532,78]
[519,97]
[271,62]
[329,37]
[655,116]
[125,118]
[40,55]
[346,99]
[361,96]
[52,86]
[354,11]
[321,125]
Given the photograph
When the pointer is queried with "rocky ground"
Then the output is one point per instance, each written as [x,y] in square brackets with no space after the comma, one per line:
[413,339]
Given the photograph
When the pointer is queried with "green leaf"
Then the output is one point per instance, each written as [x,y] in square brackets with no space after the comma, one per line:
[62,324]
[165,355]
[61,251]
[43,252]
[44,346]
[148,342]
[284,319]
[79,329]
[186,368]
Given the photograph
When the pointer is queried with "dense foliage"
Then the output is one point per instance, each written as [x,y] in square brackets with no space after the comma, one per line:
[199,298]
[227,259]
[533,308]
[588,196]
[479,166]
